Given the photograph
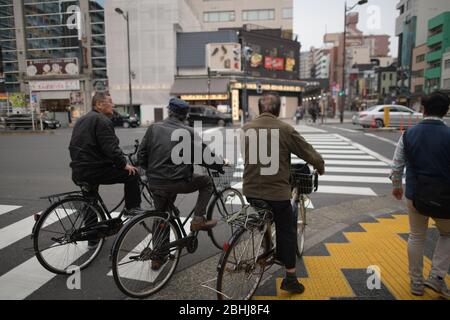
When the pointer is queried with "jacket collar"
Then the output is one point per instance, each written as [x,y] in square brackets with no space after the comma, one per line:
[266,114]
[434,120]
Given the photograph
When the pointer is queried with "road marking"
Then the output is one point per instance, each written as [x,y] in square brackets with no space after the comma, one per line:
[382,139]
[357,179]
[16,232]
[330,151]
[308,129]
[343,156]
[329,143]
[344,129]
[349,163]
[5,209]
[367,150]
[336,147]
[346,190]
[356,170]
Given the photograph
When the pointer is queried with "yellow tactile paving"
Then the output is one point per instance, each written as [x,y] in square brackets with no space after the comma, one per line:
[381,245]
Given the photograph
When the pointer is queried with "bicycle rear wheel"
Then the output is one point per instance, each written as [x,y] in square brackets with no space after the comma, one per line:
[136,249]
[225,204]
[54,237]
[241,266]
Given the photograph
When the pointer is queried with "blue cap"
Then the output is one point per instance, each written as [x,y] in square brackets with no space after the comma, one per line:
[178,106]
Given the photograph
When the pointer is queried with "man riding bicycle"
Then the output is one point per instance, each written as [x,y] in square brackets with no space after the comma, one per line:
[97,158]
[156,156]
[275,189]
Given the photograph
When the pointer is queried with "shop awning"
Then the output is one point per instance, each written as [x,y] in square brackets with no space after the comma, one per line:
[199,86]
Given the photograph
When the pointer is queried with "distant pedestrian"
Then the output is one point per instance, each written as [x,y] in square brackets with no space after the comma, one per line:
[425,150]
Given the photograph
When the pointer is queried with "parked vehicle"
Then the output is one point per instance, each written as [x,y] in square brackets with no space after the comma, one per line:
[25,121]
[208,116]
[125,121]
[399,115]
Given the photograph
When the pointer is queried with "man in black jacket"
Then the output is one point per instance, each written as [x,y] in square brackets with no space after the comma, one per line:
[96,156]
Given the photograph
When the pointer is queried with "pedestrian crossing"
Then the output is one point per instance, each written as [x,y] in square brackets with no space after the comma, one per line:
[351,169]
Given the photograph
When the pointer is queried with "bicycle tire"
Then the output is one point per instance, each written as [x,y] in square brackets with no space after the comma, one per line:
[223,231]
[301,228]
[118,261]
[230,253]
[39,230]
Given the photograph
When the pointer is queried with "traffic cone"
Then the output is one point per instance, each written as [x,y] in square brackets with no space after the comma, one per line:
[410,122]
[373,124]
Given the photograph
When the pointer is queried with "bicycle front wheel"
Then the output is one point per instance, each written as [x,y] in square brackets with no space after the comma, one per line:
[242,265]
[56,235]
[300,218]
[142,260]
[225,204]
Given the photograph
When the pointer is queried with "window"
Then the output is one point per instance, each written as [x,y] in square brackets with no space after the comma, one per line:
[287,13]
[420,58]
[418,88]
[447,64]
[257,15]
[446,84]
[219,16]
[391,76]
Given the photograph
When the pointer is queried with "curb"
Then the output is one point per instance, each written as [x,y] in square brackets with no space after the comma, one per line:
[27,133]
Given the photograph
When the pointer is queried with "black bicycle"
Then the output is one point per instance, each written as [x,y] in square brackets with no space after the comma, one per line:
[251,250]
[161,236]
[72,231]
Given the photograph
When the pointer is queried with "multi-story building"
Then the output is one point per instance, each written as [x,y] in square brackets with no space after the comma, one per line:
[438,41]
[322,63]
[305,65]
[387,83]
[418,68]
[217,14]
[445,78]
[412,25]
[54,50]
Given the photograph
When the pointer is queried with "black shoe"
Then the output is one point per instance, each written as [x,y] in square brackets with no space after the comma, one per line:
[292,286]
[130,213]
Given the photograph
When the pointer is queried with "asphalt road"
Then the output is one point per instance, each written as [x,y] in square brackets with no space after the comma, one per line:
[32,166]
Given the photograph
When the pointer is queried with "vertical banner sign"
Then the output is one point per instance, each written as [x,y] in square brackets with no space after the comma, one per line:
[235,104]
[2,74]
[387,116]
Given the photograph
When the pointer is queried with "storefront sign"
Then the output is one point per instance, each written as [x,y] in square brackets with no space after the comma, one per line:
[53,67]
[271,63]
[55,85]
[77,98]
[223,57]
[235,104]
[205,97]
[269,87]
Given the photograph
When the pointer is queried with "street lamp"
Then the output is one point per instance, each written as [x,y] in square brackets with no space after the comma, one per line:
[126,17]
[346,10]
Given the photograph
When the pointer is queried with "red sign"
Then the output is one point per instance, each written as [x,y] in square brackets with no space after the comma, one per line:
[271,63]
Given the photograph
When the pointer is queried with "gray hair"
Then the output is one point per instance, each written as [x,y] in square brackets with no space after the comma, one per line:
[270,103]
[98,97]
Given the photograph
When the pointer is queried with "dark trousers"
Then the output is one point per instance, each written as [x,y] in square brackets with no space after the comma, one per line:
[202,184]
[286,231]
[109,176]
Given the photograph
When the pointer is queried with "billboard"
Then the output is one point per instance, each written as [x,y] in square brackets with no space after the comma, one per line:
[223,57]
[52,67]
[273,56]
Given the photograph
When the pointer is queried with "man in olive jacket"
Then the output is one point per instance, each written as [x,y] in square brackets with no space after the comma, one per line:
[274,187]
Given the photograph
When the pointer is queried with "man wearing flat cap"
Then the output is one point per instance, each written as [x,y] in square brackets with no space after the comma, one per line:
[155,156]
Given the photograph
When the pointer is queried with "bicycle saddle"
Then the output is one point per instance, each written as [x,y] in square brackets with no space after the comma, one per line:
[86,186]
[260,204]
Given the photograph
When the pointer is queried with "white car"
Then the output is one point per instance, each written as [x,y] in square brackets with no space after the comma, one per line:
[399,116]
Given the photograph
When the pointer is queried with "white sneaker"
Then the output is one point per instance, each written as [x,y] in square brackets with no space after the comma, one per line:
[438,284]
[417,288]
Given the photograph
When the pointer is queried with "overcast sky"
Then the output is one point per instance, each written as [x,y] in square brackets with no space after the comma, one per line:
[313,18]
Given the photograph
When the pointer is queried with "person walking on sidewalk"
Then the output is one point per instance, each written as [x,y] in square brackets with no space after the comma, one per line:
[425,150]
[275,189]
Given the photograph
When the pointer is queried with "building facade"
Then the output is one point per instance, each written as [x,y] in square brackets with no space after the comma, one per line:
[438,42]
[445,78]
[217,14]
[419,65]
[54,51]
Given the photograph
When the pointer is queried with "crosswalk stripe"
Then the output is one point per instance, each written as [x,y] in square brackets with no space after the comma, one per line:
[330,151]
[16,232]
[322,147]
[329,143]
[346,190]
[5,209]
[357,170]
[357,179]
[344,156]
[348,163]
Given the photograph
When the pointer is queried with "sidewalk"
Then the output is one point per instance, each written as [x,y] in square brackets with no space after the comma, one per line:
[342,241]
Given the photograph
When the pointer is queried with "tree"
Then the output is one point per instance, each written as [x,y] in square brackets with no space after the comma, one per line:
[18,100]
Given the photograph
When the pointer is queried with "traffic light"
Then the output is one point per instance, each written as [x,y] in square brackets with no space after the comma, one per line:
[341,93]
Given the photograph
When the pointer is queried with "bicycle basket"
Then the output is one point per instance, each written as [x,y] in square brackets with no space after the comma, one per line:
[302,178]
[226,180]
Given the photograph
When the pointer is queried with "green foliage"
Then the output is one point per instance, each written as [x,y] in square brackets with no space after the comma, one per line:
[18,100]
